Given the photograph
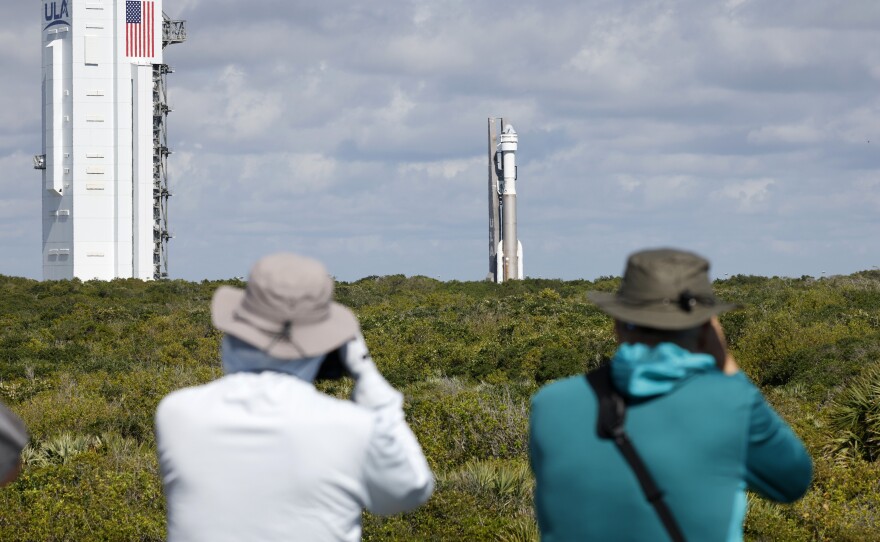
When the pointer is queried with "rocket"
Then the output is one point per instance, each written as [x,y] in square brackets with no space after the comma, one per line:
[505,249]
[104,150]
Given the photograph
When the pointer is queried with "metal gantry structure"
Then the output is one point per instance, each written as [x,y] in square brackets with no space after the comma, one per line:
[104,150]
[172,32]
[494,203]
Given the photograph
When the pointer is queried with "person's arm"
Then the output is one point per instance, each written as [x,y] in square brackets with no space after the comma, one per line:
[13,439]
[777,464]
[715,344]
[397,475]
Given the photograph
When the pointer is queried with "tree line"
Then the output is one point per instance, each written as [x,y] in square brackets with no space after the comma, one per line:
[85,363]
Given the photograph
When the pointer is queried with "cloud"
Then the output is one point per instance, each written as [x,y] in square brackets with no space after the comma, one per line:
[357,133]
[271,175]
[444,169]
[750,195]
[797,134]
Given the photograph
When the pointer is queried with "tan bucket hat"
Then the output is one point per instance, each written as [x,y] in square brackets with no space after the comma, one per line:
[287,309]
[663,289]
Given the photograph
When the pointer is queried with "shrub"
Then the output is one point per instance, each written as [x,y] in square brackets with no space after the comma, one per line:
[501,484]
[456,423]
[63,448]
[482,500]
[854,418]
[83,498]
[522,529]
[85,363]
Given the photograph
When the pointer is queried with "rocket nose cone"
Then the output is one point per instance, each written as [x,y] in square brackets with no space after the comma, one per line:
[509,129]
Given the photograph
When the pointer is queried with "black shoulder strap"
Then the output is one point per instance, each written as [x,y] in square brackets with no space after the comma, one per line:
[612,413]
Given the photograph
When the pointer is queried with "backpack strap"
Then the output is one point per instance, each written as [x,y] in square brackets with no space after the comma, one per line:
[610,426]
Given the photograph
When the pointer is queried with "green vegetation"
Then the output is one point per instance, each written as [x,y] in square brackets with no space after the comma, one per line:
[86,363]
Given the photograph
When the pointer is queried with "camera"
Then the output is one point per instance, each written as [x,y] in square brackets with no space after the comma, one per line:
[333,368]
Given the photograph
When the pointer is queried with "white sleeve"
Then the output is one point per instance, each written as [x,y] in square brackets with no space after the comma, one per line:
[396,473]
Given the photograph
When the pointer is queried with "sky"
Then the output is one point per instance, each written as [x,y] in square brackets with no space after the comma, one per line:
[355,132]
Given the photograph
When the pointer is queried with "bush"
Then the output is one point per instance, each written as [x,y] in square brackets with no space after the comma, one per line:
[83,498]
[85,363]
[456,423]
[482,500]
[854,418]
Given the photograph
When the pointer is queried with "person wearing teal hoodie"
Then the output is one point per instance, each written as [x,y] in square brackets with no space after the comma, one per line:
[702,429]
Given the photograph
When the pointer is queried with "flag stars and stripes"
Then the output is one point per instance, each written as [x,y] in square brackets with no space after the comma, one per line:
[139,28]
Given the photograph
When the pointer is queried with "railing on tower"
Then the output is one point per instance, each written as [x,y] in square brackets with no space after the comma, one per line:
[172,32]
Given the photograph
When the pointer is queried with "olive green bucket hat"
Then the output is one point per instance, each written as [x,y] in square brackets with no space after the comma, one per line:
[663,289]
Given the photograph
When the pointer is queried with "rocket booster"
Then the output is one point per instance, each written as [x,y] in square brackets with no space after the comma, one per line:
[509,260]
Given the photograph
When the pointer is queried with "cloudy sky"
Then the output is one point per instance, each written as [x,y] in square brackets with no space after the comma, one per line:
[355,132]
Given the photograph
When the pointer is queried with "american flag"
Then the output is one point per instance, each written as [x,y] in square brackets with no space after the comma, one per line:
[139,30]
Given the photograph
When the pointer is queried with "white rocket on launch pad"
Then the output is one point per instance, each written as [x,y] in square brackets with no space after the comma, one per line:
[505,249]
[105,147]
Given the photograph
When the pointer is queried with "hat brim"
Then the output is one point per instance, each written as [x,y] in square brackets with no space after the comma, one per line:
[666,316]
[304,340]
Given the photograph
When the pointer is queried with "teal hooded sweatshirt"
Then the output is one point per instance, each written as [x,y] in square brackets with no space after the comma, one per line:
[704,436]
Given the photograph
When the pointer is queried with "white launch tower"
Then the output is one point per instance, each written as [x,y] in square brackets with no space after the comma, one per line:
[505,249]
[105,184]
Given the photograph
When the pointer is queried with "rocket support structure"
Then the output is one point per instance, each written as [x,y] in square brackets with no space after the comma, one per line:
[505,251]
[104,138]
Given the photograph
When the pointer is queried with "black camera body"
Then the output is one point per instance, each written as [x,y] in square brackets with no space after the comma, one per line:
[332,368]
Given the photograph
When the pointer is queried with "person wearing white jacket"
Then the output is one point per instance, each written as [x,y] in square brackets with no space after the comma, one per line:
[260,454]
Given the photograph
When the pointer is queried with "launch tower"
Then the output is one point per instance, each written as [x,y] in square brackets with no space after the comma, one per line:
[104,154]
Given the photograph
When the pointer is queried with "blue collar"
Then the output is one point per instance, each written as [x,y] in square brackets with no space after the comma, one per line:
[638,370]
[240,357]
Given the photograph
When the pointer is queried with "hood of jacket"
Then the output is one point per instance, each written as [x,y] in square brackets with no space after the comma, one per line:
[640,371]
[238,356]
